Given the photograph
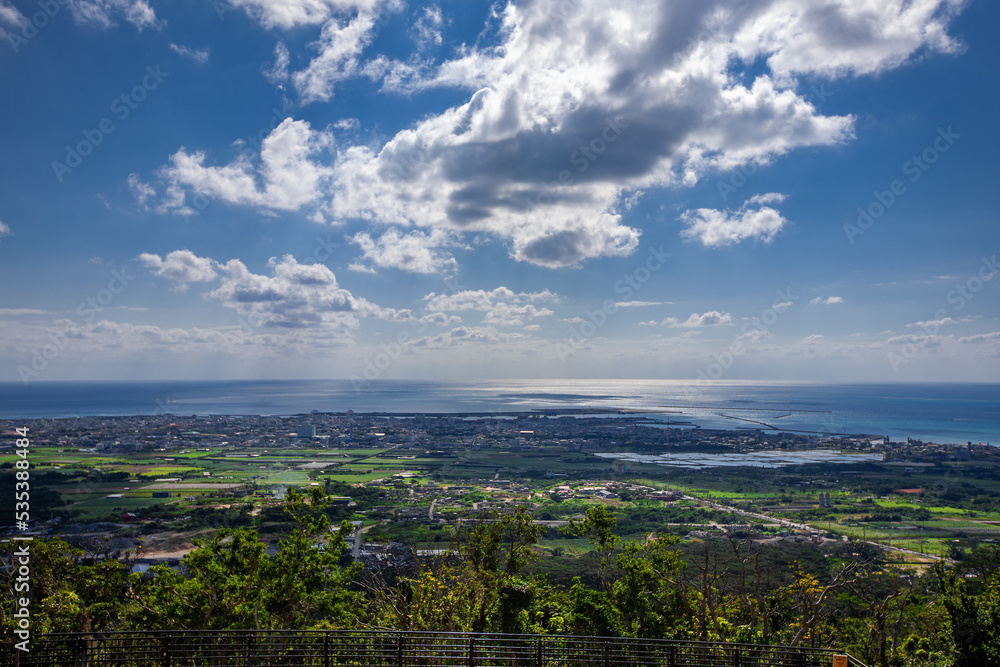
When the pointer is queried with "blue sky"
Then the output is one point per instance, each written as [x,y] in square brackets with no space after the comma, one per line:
[375,189]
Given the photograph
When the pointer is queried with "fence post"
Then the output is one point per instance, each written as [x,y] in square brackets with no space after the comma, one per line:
[736,656]
[672,656]
[472,652]
[326,649]
[399,650]
[81,650]
[607,653]
[166,650]
[538,657]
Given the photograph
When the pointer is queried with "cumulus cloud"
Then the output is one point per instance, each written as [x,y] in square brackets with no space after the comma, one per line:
[4,228]
[197,55]
[440,319]
[465,335]
[916,339]
[293,13]
[416,251]
[181,267]
[934,325]
[828,301]
[501,306]
[574,113]
[754,336]
[712,318]
[288,177]
[107,13]
[294,296]
[991,337]
[834,39]
[505,314]
[714,228]
[485,300]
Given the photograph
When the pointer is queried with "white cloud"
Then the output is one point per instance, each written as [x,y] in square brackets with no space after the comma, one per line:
[942,322]
[294,296]
[485,300]
[575,112]
[828,301]
[426,31]
[916,339]
[340,46]
[10,18]
[991,337]
[181,267]
[197,55]
[140,190]
[278,72]
[856,37]
[712,318]
[505,314]
[4,228]
[754,336]
[107,13]
[716,228]
[640,304]
[814,338]
[501,306]
[287,178]
[464,335]
[441,319]
[13,312]
[417,252]
[293,13]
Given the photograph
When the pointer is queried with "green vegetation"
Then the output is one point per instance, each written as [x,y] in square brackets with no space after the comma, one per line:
[541,539]
[843,594]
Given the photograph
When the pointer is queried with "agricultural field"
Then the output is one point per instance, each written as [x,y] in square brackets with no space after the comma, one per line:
[948,507]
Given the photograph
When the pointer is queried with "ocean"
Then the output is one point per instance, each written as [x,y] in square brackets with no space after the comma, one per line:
[935,412]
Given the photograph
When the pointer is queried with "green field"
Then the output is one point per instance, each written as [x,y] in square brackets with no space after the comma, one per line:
[287,477]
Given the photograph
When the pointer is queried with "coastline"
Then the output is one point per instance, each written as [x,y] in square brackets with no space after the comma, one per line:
[949,413]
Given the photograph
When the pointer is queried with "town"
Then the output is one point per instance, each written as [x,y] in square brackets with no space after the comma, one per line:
[155,483]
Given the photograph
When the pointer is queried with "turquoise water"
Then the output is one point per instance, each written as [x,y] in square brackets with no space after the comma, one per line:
[938,412]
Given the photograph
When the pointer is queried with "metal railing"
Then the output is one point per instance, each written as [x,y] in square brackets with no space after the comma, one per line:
[335,648]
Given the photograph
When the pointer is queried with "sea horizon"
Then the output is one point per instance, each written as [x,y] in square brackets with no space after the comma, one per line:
[944,412]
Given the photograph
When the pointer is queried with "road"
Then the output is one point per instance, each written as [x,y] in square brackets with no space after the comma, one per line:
[766,518]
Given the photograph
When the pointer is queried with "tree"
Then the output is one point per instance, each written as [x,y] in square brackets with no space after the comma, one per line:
[477,587]
[649,593]
[64,595]
[885,595]
[812,600]
[974,619]
[598,525]
[305,580]
[231,582]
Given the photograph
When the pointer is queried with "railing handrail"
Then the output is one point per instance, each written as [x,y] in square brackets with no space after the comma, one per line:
[499,641]
[436,633]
